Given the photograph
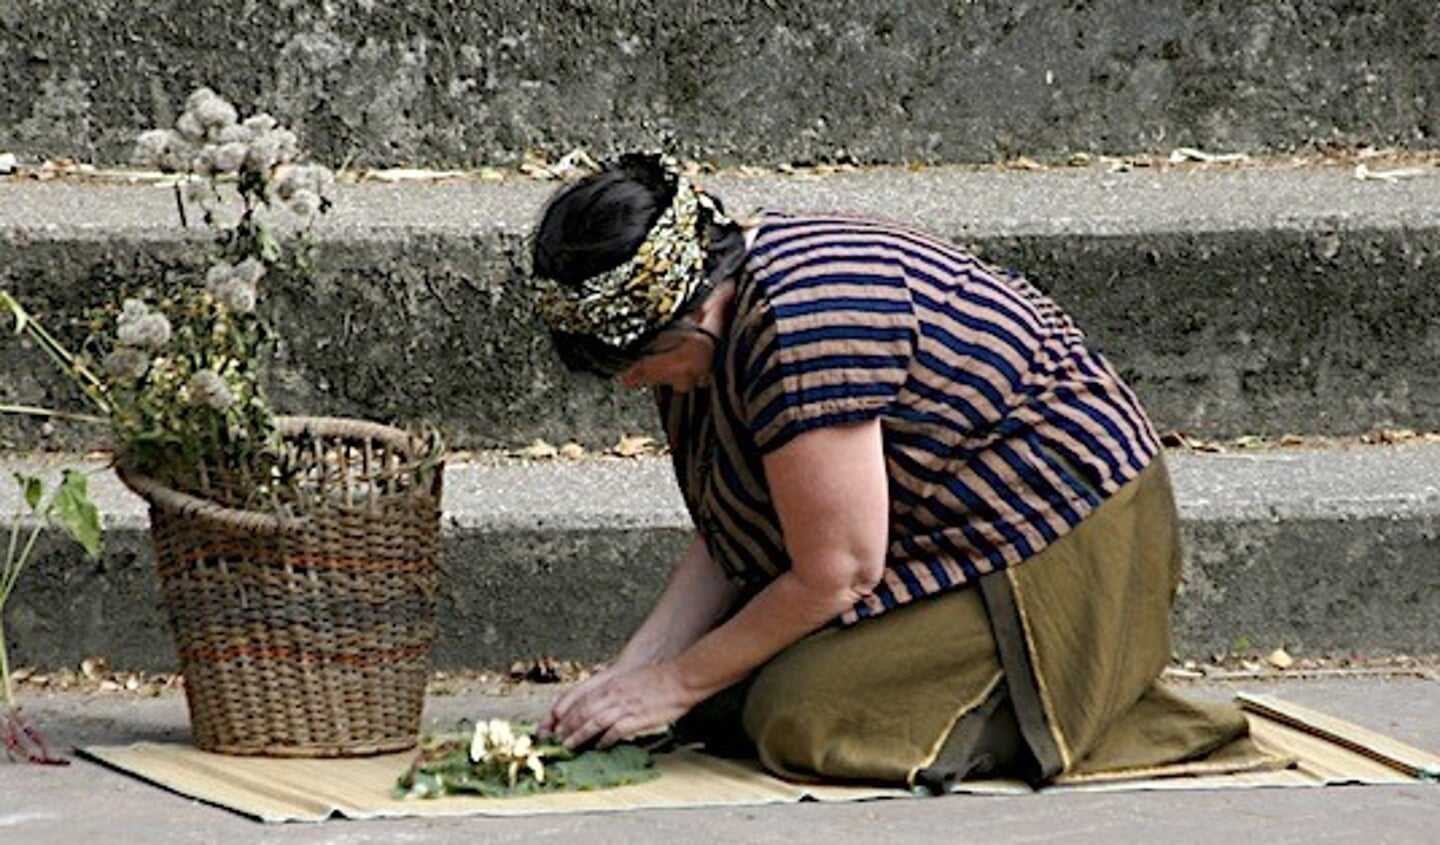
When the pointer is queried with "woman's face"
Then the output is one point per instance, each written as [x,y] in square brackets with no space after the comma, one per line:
[680,358]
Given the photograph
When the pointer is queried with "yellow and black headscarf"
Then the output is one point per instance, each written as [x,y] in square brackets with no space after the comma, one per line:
[644,294]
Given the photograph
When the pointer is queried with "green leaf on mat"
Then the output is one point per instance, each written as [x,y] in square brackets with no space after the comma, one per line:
[443,767]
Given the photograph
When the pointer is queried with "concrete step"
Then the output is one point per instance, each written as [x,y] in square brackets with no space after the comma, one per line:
[446,84]
[1322,551]
[1247,300]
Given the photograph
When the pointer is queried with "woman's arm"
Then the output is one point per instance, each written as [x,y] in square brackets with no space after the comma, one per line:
[698,594]
[830,491]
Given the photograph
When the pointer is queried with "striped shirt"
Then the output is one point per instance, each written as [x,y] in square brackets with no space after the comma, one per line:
[1001,430]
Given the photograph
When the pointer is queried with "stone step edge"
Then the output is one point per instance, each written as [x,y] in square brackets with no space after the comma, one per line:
[1346,482]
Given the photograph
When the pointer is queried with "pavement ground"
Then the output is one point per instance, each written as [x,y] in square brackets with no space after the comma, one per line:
[85,802]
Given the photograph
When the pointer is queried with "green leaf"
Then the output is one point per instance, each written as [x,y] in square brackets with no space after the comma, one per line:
[76,513]
[32,488]
[269,247]
[443,767]
[617,766]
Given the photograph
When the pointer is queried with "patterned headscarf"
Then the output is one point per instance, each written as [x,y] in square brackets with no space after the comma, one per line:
[643,295]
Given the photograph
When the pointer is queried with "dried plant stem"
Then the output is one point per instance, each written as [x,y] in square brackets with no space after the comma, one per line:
[9,577]
[31,410]
[92,387]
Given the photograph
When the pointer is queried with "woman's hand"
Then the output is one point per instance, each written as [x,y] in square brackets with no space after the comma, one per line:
[619,704]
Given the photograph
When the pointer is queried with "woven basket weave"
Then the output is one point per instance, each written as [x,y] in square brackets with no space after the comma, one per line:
[304,627]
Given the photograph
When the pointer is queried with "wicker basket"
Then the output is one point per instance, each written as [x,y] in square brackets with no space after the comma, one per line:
[304,627]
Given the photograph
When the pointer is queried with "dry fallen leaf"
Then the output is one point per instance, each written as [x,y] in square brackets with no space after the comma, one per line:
[545,670]
[630,447]
[572,451]
[1389,436]
[1026,163]
[93,667]
[1364,173]
[538,451]
[1180,154]
[405,174]
[1280,659]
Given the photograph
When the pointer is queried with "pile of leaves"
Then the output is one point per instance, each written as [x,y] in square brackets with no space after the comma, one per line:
[496,759]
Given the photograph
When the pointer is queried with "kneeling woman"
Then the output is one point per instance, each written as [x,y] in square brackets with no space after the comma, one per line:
[935,535]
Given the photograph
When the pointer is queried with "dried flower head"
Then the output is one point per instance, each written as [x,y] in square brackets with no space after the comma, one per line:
[250,271]
[259,124]
[210,111]
[227,158]
[189,126]
[239,133]
[127,362]
[139,327]
[237,296]
[208,389]
[278,146]
[165,149]
[309,177]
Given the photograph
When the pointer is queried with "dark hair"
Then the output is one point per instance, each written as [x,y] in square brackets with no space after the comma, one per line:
[597,224]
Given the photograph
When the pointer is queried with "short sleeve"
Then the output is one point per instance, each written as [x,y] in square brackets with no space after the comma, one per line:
[825,354]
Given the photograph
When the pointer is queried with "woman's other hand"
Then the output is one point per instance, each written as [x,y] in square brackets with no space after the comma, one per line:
[615,705]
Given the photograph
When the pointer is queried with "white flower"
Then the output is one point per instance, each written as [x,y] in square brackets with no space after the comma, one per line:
[277,146]
[250,271]
[209,390]
[152,145]
[210,111]
[190,128]
[163,148]
[138,326]
[305,203]
[218,274]
[311,177]
[229,157]
[240,133]
[496,744]
[259,124]
[127,363]
[236,295]
[133,309]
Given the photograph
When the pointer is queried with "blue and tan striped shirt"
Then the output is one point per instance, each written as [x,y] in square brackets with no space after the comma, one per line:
[1002,431]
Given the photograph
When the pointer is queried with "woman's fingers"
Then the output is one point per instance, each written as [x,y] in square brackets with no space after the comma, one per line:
[565,703]
[617,708]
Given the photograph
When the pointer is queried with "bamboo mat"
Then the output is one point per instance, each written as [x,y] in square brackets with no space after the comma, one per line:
[1306,748]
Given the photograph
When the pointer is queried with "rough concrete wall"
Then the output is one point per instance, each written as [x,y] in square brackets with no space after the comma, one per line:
[1315,586]
[1220,333]
[444,82]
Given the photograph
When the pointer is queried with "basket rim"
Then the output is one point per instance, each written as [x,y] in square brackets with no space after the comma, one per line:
[259,522]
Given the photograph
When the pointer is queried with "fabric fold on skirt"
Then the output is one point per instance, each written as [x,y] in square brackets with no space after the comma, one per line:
[1049,670]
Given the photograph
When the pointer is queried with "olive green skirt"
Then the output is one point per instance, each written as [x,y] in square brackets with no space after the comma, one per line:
[1045,669]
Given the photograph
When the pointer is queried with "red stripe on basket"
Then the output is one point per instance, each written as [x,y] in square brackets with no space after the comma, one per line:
[370,657]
